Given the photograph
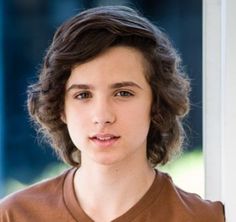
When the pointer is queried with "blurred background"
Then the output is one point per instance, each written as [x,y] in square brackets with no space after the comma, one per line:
[26,30]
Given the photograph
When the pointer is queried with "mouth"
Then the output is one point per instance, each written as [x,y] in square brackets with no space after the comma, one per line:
[104,140]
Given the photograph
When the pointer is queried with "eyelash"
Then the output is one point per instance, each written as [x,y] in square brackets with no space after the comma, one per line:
[86,94]
[125,93]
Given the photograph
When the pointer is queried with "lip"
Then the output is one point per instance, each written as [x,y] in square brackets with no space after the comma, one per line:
[104,140]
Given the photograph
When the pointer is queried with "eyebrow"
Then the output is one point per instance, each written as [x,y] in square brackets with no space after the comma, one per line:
[125,84]
[113,86]
[79,86]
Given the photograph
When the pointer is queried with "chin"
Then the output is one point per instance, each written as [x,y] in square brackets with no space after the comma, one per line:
[108,160]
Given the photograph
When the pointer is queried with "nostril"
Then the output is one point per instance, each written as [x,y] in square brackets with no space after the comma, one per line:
[103,114]
[104,118]
[102,122]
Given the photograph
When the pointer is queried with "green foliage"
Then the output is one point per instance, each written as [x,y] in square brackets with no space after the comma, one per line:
[187,172]
[49,171]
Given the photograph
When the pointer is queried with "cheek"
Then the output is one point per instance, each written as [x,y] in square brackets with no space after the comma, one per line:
[74,114]
[137,120]
[143,118]
[76,125]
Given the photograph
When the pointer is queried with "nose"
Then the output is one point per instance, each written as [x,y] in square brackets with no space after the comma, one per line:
[103,112]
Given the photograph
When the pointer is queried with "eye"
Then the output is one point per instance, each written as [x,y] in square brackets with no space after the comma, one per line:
[124,94]
[83,95]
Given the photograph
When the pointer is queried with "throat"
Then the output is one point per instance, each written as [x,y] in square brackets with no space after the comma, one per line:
[117,194]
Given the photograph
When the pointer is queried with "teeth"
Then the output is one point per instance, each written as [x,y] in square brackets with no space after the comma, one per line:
[104,138]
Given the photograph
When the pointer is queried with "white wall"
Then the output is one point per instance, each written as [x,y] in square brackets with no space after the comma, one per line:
[219,102]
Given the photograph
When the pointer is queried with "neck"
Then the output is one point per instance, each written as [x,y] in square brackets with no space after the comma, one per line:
[118,187]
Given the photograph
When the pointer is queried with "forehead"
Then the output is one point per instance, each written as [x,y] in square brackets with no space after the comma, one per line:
[115,63]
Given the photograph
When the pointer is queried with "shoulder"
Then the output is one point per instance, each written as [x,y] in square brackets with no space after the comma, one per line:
[192,204]
[44,193]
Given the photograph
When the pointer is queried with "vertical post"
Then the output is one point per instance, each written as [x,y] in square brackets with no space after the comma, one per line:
[220,103]
[1,101]
[229,95]
[212,98]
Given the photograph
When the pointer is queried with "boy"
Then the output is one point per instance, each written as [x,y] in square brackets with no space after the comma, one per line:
[110,99]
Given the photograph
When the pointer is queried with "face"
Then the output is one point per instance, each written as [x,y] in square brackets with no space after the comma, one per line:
[107,107]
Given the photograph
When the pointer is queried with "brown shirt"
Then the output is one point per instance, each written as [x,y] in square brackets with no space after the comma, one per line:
[55,200]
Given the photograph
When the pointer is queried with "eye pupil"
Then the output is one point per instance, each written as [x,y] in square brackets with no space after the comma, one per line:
[124,94]
[83,95]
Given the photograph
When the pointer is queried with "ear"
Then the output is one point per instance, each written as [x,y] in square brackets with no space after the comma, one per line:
[63,118]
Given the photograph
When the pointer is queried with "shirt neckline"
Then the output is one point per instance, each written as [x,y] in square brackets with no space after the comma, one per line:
[78,214]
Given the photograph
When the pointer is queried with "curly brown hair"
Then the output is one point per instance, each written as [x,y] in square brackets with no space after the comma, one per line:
[84,37]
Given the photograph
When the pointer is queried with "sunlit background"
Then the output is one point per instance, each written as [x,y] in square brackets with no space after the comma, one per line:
[26,30]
